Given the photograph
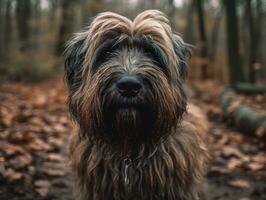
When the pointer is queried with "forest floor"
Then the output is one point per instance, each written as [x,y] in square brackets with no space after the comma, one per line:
[34,132]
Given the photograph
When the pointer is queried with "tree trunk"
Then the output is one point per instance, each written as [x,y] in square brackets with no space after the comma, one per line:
[171,10]
[2,19]
[203,39]
[8,28]
[189,26]
[259,25]
[37,29]
[252,43]
[215,32]
[66,26]
[52,13]
[235,68]
[23,11]
[92,8]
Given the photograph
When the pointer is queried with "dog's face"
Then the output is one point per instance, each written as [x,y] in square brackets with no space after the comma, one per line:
[125,77]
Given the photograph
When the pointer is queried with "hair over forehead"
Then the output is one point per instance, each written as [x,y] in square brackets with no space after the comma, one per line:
[151,23]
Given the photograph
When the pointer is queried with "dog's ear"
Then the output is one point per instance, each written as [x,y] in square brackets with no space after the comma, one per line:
[183,53]
[74,58]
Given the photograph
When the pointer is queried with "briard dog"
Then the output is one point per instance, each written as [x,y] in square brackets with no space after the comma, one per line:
[136,138]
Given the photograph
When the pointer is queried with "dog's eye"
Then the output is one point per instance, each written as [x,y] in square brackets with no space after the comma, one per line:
[158,60]
[153,51]
[157,55]
[102,53]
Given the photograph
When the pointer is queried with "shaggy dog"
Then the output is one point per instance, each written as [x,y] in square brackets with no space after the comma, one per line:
[137,139]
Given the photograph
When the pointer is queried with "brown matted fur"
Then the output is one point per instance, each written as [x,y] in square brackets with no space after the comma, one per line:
[163,140]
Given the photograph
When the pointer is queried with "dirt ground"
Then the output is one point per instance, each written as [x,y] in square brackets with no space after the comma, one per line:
[34,131]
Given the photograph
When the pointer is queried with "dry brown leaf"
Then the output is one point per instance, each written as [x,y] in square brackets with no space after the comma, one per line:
[2,166]
[55,157]
[236,137]
[234,105]
[12,175]
[37,121]
[40,100]
[47,129]
[234,163]
[21,161]
[217,169]
[261,132]
[63,120]
[221,142]
[42,191]
[59,128]
[229,151]
[254,166]
[21,137]
[239,183]
[6,117]
[11,149]
[42,184]
[38,145]
[55,141]
[260,158]
[54,169]
[54,172]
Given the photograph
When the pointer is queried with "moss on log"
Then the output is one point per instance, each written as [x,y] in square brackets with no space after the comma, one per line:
[248,88]
[243,117]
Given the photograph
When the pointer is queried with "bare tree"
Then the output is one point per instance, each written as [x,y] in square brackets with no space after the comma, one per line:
[235,67]
[66,26]
[2,19]
[215,32]
[254,26]
[8,27]
[203,39]
[23,11]
[189,16]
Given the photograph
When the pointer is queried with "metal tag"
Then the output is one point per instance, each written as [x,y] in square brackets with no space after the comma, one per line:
[127,163]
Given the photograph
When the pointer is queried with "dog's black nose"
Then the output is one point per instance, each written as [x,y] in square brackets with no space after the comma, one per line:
[129,86]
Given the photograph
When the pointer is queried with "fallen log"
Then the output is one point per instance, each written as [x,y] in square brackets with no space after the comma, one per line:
[248,88]
[243,117]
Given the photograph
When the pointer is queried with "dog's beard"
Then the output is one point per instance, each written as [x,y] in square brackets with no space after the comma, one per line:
[129,120]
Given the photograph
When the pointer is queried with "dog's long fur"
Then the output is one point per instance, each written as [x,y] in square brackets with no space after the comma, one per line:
[164,141]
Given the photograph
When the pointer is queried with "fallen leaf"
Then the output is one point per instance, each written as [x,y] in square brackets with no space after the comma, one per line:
[42,191]
[233,163]
[229,151]
[40,100]
[38,145]
[220,170]
[42,184]
[254,166]
[233,106]
[54,172]
[260,158]
[239,183]
[11,149]
[261,132]
[21,161]
[59,128]
[12,175]
[55,157]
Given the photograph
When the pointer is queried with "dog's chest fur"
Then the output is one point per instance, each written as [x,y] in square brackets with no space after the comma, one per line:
[168,170]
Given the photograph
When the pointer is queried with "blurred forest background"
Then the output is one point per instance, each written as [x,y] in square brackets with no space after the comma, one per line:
[229,36]
[229,45]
